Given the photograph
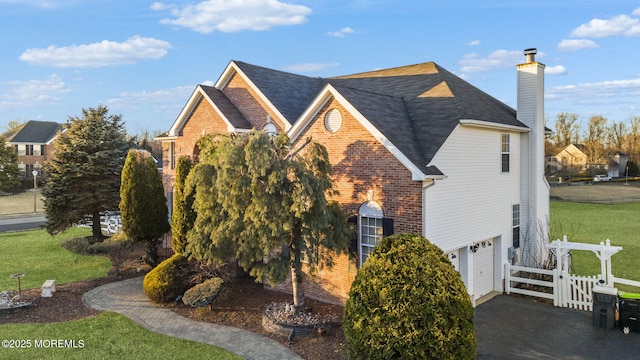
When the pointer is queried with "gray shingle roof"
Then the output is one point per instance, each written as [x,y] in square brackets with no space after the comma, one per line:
[35,132]
[289,93]
[416,107]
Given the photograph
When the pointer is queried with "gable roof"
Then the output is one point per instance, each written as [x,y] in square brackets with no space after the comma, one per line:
[415,107]
[35,132]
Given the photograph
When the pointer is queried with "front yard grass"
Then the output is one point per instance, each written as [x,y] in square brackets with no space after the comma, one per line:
[105,336]
[39,256]
[593,223]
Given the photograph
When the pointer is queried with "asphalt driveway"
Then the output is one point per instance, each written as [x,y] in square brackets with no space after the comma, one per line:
[512,327]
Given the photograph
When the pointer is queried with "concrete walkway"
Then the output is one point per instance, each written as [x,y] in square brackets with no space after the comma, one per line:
[128,298]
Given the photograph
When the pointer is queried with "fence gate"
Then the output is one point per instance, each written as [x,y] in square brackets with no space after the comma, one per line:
[577,291]
[572,291]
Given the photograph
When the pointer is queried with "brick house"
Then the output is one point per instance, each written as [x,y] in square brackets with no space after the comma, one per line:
[34,143]
[414,149]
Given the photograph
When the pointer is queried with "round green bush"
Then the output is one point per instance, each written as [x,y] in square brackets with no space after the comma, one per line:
[203,294]
[408,302]
[167,281]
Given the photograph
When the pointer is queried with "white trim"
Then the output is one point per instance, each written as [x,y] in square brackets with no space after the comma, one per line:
[233,69]
[322,98]
[190,107]
[492,125]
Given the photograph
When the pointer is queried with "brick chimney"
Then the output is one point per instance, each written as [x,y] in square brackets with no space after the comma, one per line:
[534,208]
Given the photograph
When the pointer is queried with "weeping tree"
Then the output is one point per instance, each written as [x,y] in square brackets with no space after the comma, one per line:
[183,216]
[143,206]
[83,178]
[264,203]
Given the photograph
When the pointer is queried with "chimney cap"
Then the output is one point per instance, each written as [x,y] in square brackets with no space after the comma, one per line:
[530,51]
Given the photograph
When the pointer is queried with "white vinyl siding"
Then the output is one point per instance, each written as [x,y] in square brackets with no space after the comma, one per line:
[475,191]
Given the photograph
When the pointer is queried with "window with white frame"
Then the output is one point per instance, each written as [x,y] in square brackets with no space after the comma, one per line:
[172,155]
[505,152]
[516,225]
[370,236]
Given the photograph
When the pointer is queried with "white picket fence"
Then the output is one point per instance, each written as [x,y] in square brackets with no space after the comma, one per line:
[572,291]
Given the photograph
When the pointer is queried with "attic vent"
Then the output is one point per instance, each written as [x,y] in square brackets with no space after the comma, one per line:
[441,90]
[333,120]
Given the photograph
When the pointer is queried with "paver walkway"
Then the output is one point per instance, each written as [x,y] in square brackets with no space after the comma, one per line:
[128,298]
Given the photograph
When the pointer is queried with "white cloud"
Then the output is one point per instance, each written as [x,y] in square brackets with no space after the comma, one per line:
[620,25]
[555,70]
[309,67]
[45,4]
[577,44]
[104,53]
[33,93]
[342,33]
[597,90]
[236,15]
[498,59]
[636,12]
[473,43]
[158,6]
[163,96]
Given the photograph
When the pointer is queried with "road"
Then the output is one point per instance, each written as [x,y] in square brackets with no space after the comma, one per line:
[21,222]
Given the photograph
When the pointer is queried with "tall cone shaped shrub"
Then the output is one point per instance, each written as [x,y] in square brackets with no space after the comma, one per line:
[408,302]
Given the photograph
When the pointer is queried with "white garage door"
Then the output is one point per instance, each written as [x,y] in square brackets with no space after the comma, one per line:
[483,269]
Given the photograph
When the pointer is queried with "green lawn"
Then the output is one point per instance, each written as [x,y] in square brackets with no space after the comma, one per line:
[593,223]
[105,336]
[40,257]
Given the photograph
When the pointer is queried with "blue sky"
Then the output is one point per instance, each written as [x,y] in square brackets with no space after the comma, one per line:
[143,59]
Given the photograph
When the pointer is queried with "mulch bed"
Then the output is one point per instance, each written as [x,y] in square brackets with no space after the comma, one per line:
[240,304]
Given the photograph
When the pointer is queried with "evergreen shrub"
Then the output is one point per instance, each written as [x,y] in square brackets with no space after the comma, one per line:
[203,294]
[408,302]
[167,281]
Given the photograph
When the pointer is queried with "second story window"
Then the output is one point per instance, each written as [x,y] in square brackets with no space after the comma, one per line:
[505,152]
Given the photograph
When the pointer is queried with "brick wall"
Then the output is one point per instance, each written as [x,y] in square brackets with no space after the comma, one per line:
[360,163]
[250,104]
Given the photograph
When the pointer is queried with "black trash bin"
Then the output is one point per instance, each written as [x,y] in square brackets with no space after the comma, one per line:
[604,306]
[629,305]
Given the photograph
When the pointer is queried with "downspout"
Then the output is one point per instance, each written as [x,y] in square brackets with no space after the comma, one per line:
[425,186]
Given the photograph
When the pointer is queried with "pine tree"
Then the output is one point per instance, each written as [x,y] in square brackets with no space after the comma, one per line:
[143,206]
[83,178]
[264,203]
[9,172]
[183,216]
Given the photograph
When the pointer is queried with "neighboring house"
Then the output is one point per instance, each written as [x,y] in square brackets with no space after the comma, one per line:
[415,149]
[617,165]
[33,141]
[572,157]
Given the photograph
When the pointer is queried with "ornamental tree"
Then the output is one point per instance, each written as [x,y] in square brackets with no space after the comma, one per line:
[9,172]
[183,216]
[263,202]
[408,302]
[83,178]
[143,206]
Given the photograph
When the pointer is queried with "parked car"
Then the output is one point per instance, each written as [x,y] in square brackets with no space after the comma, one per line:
[602,178]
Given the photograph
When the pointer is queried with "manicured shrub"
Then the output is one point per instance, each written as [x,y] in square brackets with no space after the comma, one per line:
[203,294]
[76,245]
[169,280]
[408,302]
